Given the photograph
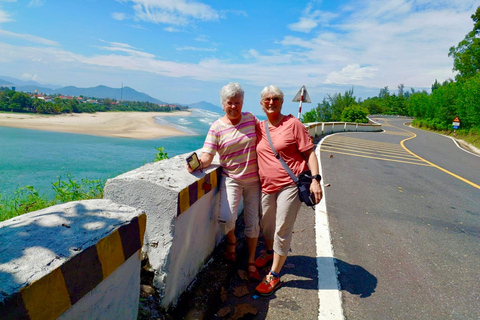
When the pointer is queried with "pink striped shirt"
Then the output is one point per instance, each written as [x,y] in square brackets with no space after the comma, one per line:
[235,146]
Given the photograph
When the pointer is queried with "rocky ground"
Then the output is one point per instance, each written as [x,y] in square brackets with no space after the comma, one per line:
[214,293]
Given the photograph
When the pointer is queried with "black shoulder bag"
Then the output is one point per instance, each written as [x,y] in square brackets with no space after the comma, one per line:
[303,180]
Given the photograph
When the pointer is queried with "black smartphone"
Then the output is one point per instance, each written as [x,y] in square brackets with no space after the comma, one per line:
[192,161]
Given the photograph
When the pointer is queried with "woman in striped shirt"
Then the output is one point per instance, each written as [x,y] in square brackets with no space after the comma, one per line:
[233,136]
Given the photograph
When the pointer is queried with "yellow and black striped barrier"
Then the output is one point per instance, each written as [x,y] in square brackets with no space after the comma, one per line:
[188,196]
[49,297]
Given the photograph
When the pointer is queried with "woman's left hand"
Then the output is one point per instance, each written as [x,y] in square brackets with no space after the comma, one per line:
[316,190]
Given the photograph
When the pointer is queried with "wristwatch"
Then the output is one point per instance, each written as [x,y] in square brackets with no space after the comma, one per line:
[317,177]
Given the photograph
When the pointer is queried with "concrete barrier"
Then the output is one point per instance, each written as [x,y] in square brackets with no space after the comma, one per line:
[316,129]
[182,230]
[78,260]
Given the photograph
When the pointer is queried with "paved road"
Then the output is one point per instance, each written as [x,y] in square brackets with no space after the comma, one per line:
[404,214]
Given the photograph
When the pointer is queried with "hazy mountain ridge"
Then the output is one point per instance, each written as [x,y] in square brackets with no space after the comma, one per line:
[18,82]
[100,92]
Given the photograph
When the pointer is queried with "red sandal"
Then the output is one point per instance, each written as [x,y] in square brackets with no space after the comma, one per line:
[253,275]
[231,255]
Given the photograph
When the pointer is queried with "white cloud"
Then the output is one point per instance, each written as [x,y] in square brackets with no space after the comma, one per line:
[171,29]
[310,19]
[28,37]
[400,41]
[126,48]
[202,38]
[351,74]
[304,25]
[172,12]
[28,76]
[119,16]
[4,16]
[188,48]
[36,3]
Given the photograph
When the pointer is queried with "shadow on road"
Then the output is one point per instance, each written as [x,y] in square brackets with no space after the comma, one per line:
[355,279]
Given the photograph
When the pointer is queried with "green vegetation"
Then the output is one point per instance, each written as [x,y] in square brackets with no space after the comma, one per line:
[13,101]
[355,114]
[466,56]
[27,199]
[434,111]
[347,108]
[337,108]
[161,154]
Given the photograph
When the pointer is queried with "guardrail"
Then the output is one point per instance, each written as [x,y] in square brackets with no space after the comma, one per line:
[316,129]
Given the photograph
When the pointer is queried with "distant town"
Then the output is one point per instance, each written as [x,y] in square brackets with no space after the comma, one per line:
[14,101]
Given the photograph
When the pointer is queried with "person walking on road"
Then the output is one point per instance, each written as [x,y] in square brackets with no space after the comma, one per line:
[280,202]
[233,136]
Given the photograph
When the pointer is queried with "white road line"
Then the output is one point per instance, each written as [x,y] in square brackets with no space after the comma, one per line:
[453,139]
[460,147]
[329,293]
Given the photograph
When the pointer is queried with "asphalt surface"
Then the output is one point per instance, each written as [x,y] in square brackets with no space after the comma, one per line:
[409,221]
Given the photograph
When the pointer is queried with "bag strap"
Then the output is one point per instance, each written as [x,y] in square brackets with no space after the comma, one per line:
[277,155]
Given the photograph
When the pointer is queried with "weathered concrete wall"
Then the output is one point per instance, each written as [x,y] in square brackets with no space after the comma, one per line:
[78,260]
[182,229]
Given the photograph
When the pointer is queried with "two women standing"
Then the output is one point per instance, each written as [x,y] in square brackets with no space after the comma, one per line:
[243,147]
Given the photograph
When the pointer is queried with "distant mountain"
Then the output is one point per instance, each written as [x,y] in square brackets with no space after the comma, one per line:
[100,92]
[18,82]
[206,106]
[4,83]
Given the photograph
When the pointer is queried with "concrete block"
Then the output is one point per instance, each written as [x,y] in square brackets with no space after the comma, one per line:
[182,229]
[64,260]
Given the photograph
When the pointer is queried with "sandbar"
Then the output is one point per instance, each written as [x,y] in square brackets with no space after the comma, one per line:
[133,125]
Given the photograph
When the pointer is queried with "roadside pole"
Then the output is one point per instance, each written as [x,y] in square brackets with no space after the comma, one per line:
[301,96]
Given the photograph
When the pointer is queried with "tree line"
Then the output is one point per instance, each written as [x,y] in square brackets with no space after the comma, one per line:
[14,101]
[435,110]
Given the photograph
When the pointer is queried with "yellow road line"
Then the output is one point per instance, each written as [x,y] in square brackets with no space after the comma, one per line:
[398,156]
[398,150]
[377,158]
[434,165]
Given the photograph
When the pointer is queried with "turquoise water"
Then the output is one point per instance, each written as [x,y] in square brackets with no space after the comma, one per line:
[37,158]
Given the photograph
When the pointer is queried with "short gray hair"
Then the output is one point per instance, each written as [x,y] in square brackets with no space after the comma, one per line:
[271,89]
[231,90]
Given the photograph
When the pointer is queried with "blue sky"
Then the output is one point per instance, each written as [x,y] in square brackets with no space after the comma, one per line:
[185,51]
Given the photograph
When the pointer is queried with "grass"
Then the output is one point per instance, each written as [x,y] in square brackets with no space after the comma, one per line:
[28,199]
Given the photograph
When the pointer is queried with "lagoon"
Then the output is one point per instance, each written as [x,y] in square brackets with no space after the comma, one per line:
[38,158]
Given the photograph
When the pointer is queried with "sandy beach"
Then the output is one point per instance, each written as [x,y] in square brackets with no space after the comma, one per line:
[134,125]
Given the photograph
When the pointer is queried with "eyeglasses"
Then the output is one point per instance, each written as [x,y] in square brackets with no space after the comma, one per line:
[275,99]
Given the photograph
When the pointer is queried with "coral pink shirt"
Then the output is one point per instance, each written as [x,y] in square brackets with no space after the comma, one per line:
[290,138]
